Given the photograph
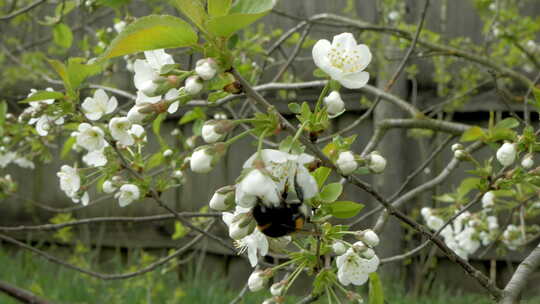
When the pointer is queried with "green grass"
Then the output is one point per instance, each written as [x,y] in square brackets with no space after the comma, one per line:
[62,285]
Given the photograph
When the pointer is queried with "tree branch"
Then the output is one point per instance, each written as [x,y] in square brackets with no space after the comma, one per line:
[519,280]
[22,295]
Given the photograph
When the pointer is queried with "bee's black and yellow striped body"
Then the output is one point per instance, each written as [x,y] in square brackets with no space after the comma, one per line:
[279,221]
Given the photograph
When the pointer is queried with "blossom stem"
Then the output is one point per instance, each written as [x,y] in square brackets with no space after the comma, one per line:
[298,133]
[283,265]
[261,141]
[324,92]
[334,294]
[294,276]
[237,137]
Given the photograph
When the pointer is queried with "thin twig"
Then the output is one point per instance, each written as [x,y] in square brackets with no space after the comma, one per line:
[104,276]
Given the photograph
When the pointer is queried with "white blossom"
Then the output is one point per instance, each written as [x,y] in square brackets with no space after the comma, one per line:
[193,85]
[255,244]
[24,162]
[206,68]
[6,158]
[90,137]
[346,162]
[506,154]
[172,96]
[127,194]
[223,199]
[334,104]
[353,269]
[95,107]
[147,71]
[138,132]
[119,26]
[120,127]
[257,184]
[343,59]
[70,182]
[95,158]
[513,238]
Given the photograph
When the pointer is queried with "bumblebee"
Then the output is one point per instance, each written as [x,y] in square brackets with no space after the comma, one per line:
[280,221]
[289,217]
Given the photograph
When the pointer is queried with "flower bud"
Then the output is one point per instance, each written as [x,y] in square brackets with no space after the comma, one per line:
[201,161]
[167,153]
[456,147]
[204,158]
[426,212]
[108,187]
[488,199]
[175,132]
[178,174]
[461,155]
[193,85]
[368,253]
[369,237]
[527,162]
[339,248]
[334,104]
[346,162]
[506,154]
[223,199]
[258,279]
[359,247]
[149,87]
[277,288]
[215,130]
[377,163]
[135,115]
[206,68]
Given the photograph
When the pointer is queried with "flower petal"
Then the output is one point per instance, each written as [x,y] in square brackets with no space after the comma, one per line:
[354,80]
[344,41]
[320,53]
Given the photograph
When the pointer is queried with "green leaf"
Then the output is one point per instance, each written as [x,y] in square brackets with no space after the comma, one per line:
[508,123]
[218,8]
[294,107]
[321,174]
[242,14]
[43,95]
[194,10]
[62,35]
[467,185]
[472,134]
[67,147]
[179,231]
[156,127]
[252,6]
[344,209]
[192,115]
[331,192]
[154,161]
[78,71]
[376,295]
[150,33]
